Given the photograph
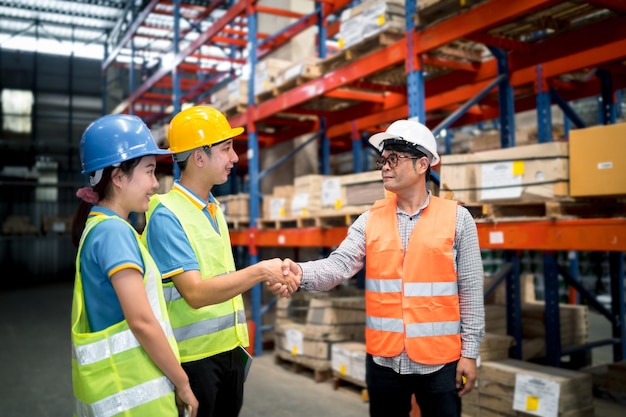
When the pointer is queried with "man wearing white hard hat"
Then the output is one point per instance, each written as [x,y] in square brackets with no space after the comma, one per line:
[423,287]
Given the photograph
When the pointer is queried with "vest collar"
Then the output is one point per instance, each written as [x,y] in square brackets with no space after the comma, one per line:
[193,197]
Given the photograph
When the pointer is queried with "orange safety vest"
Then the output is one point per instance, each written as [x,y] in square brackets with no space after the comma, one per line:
[412,300]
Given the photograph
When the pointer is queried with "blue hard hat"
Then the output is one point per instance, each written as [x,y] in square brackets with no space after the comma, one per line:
[116,138]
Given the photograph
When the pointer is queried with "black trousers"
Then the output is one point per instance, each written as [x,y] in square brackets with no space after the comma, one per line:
[217,382]
[390,392]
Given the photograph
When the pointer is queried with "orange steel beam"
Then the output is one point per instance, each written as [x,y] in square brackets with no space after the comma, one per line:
[348,94]
[451,64]
[578,234]
[278,12]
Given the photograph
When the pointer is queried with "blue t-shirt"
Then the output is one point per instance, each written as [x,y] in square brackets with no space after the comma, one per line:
[110,247]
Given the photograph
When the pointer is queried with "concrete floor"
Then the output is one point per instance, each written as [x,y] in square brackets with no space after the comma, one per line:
[35,376]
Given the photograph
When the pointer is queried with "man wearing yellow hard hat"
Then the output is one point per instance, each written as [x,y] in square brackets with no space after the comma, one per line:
[187,235]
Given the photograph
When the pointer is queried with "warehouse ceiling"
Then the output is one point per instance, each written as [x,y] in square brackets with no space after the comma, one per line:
[99,22]
[86,21]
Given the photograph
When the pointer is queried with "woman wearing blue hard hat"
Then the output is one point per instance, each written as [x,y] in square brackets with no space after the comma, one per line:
[124,355]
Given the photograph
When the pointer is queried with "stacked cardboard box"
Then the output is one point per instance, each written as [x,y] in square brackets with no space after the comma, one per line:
[236,207]
[537,172]
[370,18]
[19,225]
[329,319]
[574,319]
[56,224]
[307,195]
[516,388]
[230,96]
[616,377]
[597,169]
[348,361]
[363,188]
[277,205]
[265,76]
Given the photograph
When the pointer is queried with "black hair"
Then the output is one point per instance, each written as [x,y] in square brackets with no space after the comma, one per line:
[104,189]
[404,147]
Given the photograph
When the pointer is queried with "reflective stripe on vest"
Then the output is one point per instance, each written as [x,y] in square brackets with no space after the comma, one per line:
[111,373]
[213,329]
[208,326]
[125,400]
[412,295]
[117,343]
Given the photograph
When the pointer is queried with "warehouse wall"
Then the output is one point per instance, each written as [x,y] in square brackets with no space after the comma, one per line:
[40,170]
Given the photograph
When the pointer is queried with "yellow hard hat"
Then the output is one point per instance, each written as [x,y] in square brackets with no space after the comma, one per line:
[199,126]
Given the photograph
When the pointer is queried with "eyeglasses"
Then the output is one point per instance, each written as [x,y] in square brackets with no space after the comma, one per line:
[393,160]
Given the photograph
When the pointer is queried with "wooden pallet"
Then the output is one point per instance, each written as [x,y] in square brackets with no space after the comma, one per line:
[318,369]
[350,385]
[554,209]
[238,224]
[325,218]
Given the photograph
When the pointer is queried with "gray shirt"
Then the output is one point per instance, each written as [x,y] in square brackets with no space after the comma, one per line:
[345,261]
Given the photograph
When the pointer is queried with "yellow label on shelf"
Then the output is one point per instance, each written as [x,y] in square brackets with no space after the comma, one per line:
[518,168]
[532,403]
[294,350]
[342,369]
[303,212]
[381,20]
[281,212]
[338,203]
[341,43]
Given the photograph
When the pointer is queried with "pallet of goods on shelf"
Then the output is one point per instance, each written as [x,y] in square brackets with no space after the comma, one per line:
[369,19]
[231,99]
[512,387]
[538,172]
[321,200]
[236,209]
[348,366]
[56,224]
[19,225]
[330,318]
[574,319]
[581,178]
[616,378]
[296,74]
[433,11]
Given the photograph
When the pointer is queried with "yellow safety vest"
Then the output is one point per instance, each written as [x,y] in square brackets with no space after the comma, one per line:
[213,329]
[411,297]
[111,373]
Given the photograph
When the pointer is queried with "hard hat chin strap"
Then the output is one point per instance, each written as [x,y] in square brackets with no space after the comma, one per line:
[95,178]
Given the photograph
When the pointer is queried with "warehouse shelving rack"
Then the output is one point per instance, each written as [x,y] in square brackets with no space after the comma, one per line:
[485,61]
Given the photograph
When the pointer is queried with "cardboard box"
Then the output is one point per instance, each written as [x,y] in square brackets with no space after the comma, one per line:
[598,161]
[537,172]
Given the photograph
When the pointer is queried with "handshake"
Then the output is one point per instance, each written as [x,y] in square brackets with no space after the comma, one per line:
[282,277]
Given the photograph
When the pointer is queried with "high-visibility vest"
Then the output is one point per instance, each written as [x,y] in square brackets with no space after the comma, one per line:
[112,375]
[213,329]
[412,298]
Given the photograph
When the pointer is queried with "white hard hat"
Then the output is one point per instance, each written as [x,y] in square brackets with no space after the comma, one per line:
[412,132]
